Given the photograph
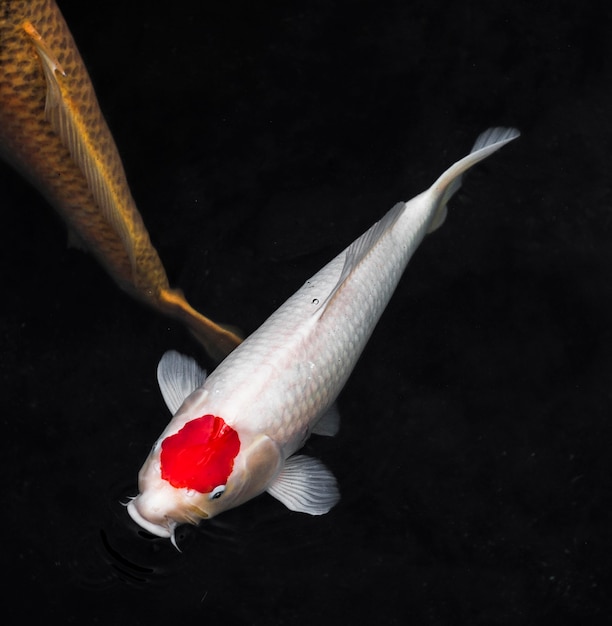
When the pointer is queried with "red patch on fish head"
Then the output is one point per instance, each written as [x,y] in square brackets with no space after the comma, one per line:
[201,455]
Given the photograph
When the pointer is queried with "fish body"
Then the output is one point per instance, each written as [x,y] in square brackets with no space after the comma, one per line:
[234,434]
[52,131]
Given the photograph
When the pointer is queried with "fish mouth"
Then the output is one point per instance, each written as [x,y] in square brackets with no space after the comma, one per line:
[154,529]
[194,515]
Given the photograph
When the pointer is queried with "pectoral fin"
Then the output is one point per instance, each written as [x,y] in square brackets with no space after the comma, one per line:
[329,424]
[178,376]
[305,485]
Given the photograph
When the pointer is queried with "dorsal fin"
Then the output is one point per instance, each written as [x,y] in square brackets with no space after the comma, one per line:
[67,122]
[360,248]
[442,190]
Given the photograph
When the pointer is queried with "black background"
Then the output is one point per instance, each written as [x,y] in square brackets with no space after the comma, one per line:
[260,139]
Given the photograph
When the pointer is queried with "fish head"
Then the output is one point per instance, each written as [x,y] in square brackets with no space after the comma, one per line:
[199,471]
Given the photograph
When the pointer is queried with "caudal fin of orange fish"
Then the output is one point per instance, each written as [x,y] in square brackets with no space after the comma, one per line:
[218,340]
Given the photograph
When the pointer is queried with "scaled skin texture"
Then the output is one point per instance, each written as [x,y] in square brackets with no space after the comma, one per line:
[53,132]
[278,387]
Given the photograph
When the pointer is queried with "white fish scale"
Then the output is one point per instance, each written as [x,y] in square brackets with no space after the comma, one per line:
[273,382]
[287,373]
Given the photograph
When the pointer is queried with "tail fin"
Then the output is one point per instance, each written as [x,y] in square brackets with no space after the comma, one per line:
[486,144]
[217,340]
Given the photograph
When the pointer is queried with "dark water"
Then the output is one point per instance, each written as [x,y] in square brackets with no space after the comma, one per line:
[474,455]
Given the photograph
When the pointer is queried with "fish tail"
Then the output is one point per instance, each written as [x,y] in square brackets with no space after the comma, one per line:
[486,144]
[217,340]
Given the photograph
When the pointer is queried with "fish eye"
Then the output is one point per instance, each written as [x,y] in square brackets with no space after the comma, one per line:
[216,492]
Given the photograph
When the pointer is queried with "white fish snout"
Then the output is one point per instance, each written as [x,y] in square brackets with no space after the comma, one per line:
[161,527]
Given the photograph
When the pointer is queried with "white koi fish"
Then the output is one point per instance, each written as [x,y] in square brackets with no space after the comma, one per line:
[234,434]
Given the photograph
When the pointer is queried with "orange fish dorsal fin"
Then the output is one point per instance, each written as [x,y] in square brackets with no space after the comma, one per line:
[43,49]
[67,122]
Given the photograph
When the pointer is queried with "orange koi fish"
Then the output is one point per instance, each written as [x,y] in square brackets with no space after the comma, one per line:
[53,132]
